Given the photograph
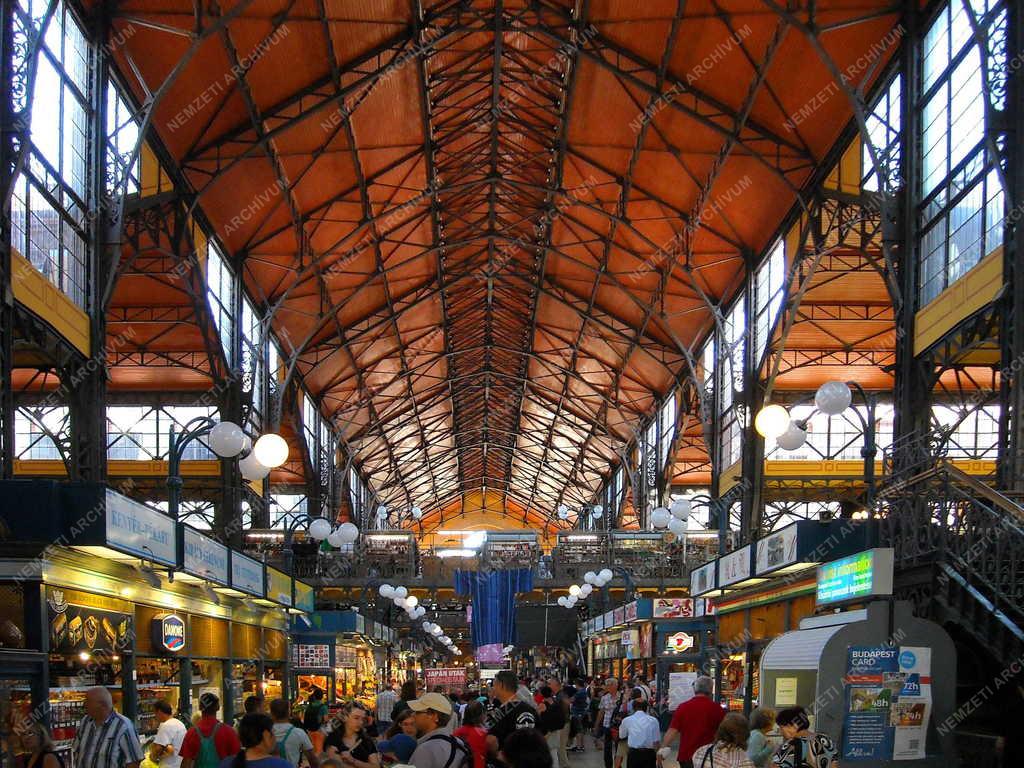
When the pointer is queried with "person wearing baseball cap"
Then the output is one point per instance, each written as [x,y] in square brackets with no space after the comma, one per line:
[436,747]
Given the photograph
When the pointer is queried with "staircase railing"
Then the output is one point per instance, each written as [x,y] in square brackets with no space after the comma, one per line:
[944,515]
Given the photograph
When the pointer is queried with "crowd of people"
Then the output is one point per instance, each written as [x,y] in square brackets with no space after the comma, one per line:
[510,723]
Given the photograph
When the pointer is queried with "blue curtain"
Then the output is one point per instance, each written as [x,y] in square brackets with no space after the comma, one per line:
[493,595]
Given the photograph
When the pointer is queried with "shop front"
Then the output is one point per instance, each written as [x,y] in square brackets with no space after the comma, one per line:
[662,639]
[130,600]
[761,591]
[339,654]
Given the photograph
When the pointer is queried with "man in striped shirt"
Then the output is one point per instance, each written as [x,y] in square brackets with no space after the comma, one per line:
[105,739]
[386,700]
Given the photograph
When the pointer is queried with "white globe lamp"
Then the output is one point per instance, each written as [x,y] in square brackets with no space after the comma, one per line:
[412,601]
[833,397]
[320,528]
[574,590]
[386,590]
[251,468]
[660,517]
[793,438]
[271,450]
[348,533]
[680,509]
[771,421]
[227,439]
[589,577]
[606,575]
[677,526]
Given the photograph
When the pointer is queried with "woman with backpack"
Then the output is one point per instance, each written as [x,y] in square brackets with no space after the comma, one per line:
[259,748]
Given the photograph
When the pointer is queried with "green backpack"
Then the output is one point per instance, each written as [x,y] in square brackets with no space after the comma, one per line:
[208,757]
[283,743]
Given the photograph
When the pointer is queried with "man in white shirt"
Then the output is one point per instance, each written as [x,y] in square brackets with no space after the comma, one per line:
[292,741]
[643,735]
[169,735]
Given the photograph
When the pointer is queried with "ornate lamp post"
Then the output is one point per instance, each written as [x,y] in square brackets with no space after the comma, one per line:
[832,399]
[228,441]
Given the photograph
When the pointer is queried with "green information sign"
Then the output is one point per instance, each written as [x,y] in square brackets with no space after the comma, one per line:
[857,577]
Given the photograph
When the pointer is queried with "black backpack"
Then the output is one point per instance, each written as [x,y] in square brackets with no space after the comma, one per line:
[458,746]
[313,716]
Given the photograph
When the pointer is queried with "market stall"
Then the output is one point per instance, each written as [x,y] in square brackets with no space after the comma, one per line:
[337,655]
[763,590]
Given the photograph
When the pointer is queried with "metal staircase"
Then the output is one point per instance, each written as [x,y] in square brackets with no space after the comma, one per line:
[959,548]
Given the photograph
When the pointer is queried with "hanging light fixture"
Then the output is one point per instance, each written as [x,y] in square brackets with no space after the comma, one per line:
[771,421]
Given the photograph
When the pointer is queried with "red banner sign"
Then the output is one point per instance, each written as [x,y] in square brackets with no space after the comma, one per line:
[449,678]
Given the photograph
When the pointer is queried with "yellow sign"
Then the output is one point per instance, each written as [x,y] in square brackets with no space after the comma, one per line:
[279,586]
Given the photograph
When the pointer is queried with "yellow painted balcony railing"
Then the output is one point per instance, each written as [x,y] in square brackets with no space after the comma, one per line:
[119,468]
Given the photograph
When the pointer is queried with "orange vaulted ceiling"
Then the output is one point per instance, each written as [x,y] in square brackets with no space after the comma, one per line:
[478,253]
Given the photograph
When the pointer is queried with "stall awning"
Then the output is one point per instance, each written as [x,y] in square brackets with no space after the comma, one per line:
[797,650]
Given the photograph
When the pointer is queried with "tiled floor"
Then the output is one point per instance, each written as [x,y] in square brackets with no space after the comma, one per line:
[593,758]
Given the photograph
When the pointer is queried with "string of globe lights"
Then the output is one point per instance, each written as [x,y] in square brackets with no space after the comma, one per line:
[564,510]
[411,605]
[591,580]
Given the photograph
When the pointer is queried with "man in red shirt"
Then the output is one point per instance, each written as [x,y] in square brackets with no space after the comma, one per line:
[224,741]
[694,722]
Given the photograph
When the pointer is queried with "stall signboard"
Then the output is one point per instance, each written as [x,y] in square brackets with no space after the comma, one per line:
[316,656]
[619,616]
[246,574]
[734,567]
[630,612]
[140,530]
[777,550]
[168,632]
[703,579]
[84,623]
[673,608]
[679,642]
[599,623]
[857,577]
[279,586]
[305,597]
[203,557]
[448,678]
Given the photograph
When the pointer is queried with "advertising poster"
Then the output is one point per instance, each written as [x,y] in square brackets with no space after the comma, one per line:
[83,623]
[673,607]
[912,706]
[888,703]
[680,687]
[870,671]
[646,646]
